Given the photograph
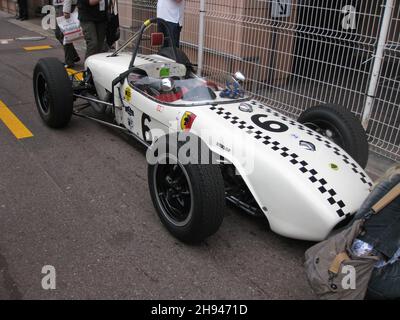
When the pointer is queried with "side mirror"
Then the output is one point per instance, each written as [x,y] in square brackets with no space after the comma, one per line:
[157,39]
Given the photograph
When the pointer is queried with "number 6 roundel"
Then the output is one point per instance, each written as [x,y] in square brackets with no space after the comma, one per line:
[269,125]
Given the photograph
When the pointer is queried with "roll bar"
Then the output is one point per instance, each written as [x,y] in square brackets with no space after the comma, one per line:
[138,36]
[143,28]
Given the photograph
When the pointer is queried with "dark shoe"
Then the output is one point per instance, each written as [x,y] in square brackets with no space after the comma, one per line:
[23,18]
[18,18]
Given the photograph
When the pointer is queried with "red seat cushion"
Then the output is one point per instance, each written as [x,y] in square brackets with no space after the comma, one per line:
[171,96]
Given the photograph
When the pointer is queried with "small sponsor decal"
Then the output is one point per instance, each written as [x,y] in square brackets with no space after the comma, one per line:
[223,147]
[164,72]
[245,107]
[334,166]
[187,120]
[129,111]
[130,123]
[295,136]
[307,145]
[128,94]
[160,108]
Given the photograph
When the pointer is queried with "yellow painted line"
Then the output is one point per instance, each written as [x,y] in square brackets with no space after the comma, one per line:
[78,75]
[34,48]
[13,123]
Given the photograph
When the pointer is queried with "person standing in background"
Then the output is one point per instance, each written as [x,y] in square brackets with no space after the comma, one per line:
[23,10]
[93,19]
[172,11]
[70,54]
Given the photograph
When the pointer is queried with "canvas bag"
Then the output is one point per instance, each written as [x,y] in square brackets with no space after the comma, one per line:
[327,263]
[71,28]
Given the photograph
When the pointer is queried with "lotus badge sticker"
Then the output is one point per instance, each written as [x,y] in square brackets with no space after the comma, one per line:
[307,145]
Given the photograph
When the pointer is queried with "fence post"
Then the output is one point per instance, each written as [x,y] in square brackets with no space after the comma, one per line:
[200,56]
[378,59]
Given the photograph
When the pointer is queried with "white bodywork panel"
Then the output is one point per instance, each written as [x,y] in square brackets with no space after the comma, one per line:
[303,193]
[304,196]
[106,68]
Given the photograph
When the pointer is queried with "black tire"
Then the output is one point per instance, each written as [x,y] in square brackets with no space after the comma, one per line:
[53,92]
[203,209]
[346,129]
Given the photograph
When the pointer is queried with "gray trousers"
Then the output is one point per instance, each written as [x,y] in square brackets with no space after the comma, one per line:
[95,34]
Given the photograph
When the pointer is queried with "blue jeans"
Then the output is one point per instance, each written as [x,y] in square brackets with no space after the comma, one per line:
[383,232]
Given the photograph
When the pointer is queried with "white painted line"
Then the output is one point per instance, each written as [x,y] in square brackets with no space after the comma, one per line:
[5,41]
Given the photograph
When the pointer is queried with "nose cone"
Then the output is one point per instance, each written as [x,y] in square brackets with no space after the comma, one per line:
[304,183]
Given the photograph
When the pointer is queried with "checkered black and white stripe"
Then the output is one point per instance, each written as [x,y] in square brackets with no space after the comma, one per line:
[303,166]
[147,58]
[328,144]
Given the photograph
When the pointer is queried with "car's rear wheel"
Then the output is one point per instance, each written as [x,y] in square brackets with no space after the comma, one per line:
[53,92]
[340,126]
[189,198]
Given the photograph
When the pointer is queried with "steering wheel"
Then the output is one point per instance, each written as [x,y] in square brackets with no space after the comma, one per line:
[212,84]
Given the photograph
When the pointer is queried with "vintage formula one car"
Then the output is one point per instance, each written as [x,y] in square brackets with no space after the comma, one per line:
[306,176]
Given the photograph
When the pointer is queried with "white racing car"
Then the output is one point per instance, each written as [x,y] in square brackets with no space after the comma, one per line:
[306,176]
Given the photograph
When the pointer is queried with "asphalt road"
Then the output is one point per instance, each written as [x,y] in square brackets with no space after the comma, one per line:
[77,199]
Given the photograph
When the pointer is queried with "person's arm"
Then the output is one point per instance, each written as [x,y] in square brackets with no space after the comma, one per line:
[67,8]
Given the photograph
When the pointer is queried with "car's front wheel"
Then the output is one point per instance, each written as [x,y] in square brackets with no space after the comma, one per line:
[189,198]
[53,92]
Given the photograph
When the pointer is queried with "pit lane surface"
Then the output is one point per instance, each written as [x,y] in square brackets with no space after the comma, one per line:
[77,199]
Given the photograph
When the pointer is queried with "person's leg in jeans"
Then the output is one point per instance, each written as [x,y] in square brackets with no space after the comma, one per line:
[71,56]
[177,35]
[23,9]
[19,9]
[90,35]
[101,28]
[161,28]
[59,35]
[174,30]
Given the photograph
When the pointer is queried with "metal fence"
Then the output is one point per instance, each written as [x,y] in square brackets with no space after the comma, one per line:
[300,53]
